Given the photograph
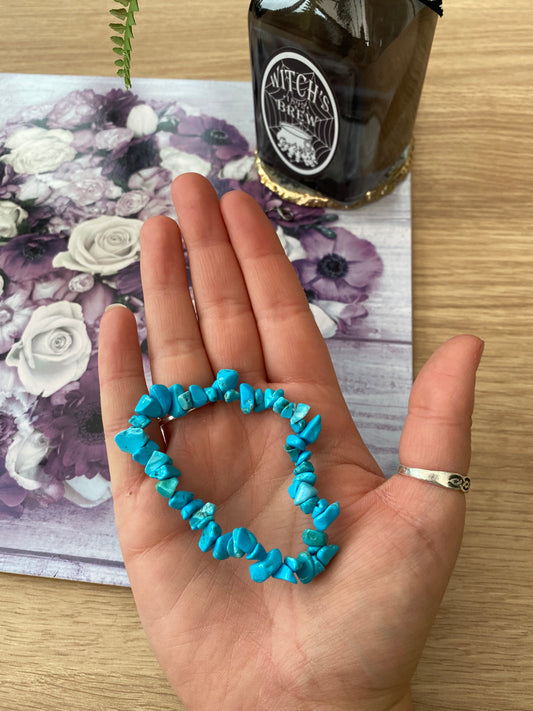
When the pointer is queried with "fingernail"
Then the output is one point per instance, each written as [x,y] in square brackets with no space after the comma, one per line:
[112,306]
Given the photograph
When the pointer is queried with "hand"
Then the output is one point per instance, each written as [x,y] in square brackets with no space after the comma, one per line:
[352,638]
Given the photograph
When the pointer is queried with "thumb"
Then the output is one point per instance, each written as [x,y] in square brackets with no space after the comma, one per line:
[436,435]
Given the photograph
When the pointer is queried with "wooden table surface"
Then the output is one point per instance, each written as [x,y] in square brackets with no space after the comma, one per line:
[80,647]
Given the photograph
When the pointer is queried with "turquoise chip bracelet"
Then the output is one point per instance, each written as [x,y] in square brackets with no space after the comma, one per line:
[166,404]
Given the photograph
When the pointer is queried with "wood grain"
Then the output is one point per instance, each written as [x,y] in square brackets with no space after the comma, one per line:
[472,263]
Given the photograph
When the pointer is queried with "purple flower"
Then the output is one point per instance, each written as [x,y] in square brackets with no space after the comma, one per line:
[338,269]
[29,256]
[128,281]
[208,137]
[75,431]
[8,429]
[134,156]
[75,109]
[11,496]
[114,108]
[15,312]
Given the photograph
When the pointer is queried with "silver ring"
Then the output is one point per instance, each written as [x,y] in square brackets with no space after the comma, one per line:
[165,420]
[450,480]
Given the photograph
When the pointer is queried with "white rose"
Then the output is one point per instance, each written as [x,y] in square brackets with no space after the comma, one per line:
[327,326]
[11,215]
[240,169]
[54,348]
[104,245]
[86,492]
[142,120]
[178,162]
[292,246]
[37,150]
[23,457]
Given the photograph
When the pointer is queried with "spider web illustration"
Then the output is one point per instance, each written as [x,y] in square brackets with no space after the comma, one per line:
[307,115]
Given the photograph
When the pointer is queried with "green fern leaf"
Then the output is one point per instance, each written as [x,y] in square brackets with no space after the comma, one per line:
[123,44]
[119,14]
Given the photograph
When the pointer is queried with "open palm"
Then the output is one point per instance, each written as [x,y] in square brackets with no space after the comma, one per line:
[351,638]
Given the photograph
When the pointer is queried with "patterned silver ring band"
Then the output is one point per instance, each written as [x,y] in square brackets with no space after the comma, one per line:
[450,480]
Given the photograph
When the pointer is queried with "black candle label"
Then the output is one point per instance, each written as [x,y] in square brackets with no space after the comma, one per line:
[299,112]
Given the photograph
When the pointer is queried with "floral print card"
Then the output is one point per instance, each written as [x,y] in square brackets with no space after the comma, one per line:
[82,164]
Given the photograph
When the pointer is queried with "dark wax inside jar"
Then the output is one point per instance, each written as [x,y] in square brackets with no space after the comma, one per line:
[373,54]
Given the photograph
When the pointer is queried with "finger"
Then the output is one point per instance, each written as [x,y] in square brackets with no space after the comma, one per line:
[121,385]
[177,353]
[225,316]
[436,435]
[293,348]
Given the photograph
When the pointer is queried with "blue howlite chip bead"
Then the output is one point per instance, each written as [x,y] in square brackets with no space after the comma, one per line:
[288,411]
[306,571]
[211,393]
[259,401]
[139,421]
[149,406]
[280,404]
[244,539]
[293,489]
[227,379]
[308,506]
[326,553]
[323,520]
[296,441]
[285,573]
[272,395]
[167,471]
[247,396]
[258,553]
[220,549]
[185,401]
[319,568]
[201,518]
[189,509]
[292,452]
[305,491]
[303,467]
[180,499]
[314,538]
[231,396]
[157,459]
[262,570]
[300,412]
[198,396]
[297,427]
[131,439]
[167,487]
[210,535]
[303,457]
[309,477]
[176,409]
[312,430]
[313,549]
[143,454]
[293,563]
[233,550]
[321,506]
[162,394]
